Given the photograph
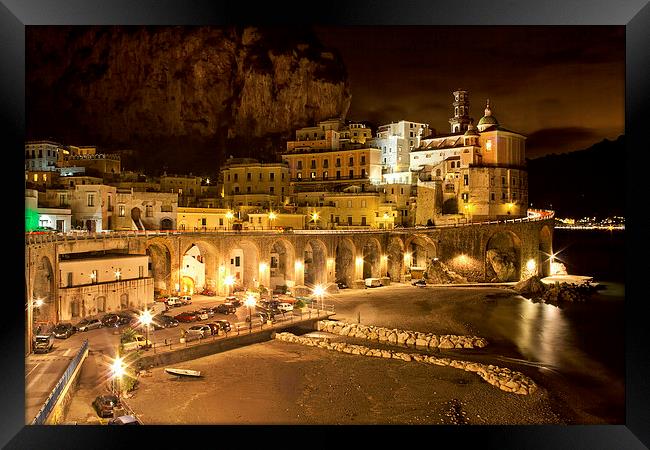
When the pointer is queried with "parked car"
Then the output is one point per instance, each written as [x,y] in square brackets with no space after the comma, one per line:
[202,330]
[111,321]
[208,311]
[201,315]
[341,285]
[234,300]
[225,308]
[63,330]
[186,299]
[162,321]
[214,327]
[208,292]
[138,342]
[173,301]
[263,316]
[104,404]
[89,324]
[224,325]
[126,318]
[419,283]
[373,282]
[43,343]
[186,316]
[285,307]
[124,420]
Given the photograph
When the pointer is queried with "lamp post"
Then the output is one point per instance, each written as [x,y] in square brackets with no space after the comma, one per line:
[145,319]
[117,371]
[272,217]
[314,218]
[319,291]
[229,216]
[229,281]
[250,302]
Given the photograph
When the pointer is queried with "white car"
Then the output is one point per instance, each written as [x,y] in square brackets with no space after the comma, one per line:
[201,315]
[202,330]
[173,301]
[285,307]
[186,299]
[139,342]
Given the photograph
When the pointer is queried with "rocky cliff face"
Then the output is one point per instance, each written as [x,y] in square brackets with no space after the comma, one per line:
[183,95]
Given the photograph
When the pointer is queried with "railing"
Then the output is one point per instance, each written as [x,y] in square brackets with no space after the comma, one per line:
[71,236]
[242,328]
[46,409]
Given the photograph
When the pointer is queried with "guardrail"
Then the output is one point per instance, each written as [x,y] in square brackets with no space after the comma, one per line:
[47,407]
[241,328]
[539,215]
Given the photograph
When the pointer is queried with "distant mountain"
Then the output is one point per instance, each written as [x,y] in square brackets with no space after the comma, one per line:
[589,182]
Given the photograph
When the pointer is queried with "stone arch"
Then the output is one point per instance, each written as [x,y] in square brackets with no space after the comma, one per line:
[166,224]
[345,255]
[281,263]
[545,251]
[315,260]
[371,254]
[242,263]
[200,263]
[503,257]
[100,305]
[160,265]
[450,206]
[420,250]
[136,215]
[395,256]
[43,292]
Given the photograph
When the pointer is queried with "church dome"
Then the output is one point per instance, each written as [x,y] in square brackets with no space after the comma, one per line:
[488,119]
[471,130]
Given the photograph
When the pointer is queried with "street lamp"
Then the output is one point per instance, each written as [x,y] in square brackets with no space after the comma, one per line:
[272,217]
[314,218]
[229,216]
[117,371]
[145,319]
[250,302]
[229,281]
[318,292]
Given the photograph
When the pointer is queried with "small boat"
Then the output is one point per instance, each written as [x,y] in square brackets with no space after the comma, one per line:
[183,372]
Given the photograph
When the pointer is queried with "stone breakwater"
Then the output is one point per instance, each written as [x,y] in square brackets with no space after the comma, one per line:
[503,378]
[405,337]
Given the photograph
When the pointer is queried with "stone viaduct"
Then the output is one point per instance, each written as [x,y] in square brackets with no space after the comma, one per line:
[304,257]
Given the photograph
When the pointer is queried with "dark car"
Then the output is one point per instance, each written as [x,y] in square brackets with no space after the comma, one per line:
[104,405]
[126,318]
[225,308]
[43,343]
[63,330]
[124,420]
[234,300]
[224,325]
[89,324]
[341,285]
[214,327]
[263,316]
[420,283]
[162,321]
[186,317]
[111,320]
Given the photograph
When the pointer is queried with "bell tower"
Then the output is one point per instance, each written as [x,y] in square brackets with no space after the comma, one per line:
[461,120]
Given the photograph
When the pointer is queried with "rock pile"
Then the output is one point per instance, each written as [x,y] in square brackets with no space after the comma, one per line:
[438,273]
[402,337]
[531,286]
[566,292]
[503,378]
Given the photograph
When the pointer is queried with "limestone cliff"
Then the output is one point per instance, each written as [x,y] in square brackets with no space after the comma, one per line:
[181,94]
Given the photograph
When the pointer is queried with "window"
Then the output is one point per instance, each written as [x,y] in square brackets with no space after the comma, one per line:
[402,191]
[259,219]
[236,177]
[91,199]
[363,220]
[492,196]
[121,210]
[488,145]
[503,196]
[110,206]
[349,220]
[299,166]
[465,180]
[271,189]
[465,196]
[338,174]
[228,177]
[338,162]
[325,163]
[351,173]
[349,203]
[336,219]
[237,261]
[70,279]
[282,176]
[40,153]
[272,176]
[220,221]
[313,163]
[312,175]
[93,276]
[248,176]
[503,180]
[299,175]
[363,159]
[363,173]
[351,161]
[149,211]
[392,190]
[236,189]
[248,189]
[325,174]
[363,203]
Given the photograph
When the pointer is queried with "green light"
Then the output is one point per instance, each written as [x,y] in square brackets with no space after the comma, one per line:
[31,219]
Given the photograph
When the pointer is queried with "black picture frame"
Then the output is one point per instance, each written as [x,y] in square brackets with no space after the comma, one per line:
[633,14]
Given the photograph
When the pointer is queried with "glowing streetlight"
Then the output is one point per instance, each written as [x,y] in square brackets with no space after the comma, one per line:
[38,302]
[117,372]
[318,292]
[229,281]
[531,265]
[229,217]
[145,319]
[118,274]
[250,302]
[272,217]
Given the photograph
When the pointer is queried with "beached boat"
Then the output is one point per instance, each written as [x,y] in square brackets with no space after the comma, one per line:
[183,372]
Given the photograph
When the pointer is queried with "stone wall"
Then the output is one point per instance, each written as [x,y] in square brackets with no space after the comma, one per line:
[402,337]
[503,378]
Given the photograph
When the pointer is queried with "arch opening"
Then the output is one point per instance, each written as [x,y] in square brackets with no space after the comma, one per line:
[503,257]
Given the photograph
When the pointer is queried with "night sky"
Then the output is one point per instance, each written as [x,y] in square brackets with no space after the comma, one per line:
[563,87]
